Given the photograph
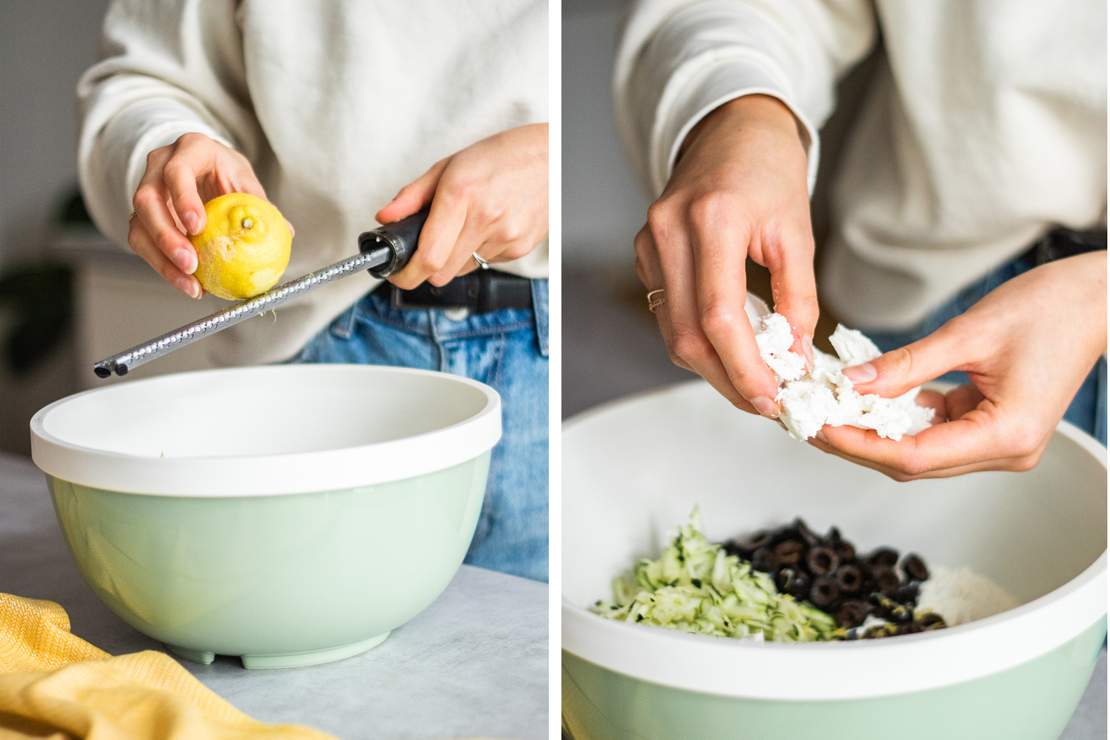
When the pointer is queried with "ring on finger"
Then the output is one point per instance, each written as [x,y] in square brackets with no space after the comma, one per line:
[480,260]
[655,299]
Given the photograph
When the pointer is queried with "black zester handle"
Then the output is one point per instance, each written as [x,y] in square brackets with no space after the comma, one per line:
[400,237]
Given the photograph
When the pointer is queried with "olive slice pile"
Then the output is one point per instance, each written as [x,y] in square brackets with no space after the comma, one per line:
[828,572]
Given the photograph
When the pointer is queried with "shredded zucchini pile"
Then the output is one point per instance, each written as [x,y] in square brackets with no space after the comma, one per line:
[695,586]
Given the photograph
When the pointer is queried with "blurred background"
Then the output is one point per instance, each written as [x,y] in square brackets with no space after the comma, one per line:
[67,296]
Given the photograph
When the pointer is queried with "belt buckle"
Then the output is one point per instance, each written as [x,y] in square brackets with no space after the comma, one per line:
[403,299]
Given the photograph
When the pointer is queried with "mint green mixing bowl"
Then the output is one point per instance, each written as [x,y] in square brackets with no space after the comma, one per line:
[634,469]
[336,505]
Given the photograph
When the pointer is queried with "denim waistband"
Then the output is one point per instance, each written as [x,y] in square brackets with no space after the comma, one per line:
[446,324]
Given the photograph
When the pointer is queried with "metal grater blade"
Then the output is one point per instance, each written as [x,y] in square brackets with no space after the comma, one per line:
[141,354]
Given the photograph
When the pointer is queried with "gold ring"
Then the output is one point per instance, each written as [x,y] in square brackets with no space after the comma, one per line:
[481,262]
[655,299]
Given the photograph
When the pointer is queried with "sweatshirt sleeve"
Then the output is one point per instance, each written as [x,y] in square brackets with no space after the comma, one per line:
[166,69]
[678,60]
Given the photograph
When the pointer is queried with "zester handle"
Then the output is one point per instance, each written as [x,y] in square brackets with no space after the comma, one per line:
[401,237]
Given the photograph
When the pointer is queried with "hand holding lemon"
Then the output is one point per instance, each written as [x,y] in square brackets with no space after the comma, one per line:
[238,244]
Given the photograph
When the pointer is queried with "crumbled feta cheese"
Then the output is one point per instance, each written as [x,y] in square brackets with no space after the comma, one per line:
[852,347]
[824,395]
[774,347]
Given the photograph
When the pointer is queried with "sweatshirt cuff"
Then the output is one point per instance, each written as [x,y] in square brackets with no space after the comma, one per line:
[699,93]
[160,126]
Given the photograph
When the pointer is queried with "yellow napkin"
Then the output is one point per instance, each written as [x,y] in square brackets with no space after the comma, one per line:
[53,684]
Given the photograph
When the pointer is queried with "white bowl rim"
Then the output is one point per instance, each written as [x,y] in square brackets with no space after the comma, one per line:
[271,475]
[843,670]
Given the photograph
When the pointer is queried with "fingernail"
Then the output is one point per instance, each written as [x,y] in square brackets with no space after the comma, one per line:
[864,373]
[186,261]
[191,222]
[766,407]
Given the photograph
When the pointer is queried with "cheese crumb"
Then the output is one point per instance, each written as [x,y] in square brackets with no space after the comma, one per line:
[824,395]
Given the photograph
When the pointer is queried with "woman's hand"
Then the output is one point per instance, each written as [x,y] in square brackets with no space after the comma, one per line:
[490,198]
[169,203]
[738,191]
[1027,346]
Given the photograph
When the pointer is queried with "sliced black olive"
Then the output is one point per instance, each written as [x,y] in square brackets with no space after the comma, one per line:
[756,540]
[799,589]
[849,578]
[763,559]
[845,550]
[852,613]
[886,580]
[883,556]
[908,593]
[823,592]
[784,579]
[807,535]
[788,552]
[822,560]
[914,567]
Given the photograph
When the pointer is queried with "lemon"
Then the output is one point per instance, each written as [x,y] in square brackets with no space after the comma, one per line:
[244,247]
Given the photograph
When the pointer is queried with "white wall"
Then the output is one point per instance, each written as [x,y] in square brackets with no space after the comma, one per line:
[603,203]
[44,47]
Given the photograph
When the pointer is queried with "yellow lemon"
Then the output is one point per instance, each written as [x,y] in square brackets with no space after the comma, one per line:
[244,247]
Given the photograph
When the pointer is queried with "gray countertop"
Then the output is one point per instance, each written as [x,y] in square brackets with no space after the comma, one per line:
[617,351]
[475,663]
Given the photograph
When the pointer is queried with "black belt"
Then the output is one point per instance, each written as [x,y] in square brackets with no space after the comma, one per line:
[480,291]
[1060,243]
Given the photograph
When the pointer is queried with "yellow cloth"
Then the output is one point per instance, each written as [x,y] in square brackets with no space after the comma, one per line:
[53,684]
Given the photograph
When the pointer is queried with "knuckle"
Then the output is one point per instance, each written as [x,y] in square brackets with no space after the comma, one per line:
[898,362]
[189,139]
[1024,441]
[512,230]
[708,209]
[516,250]
[145,197]
[913,466]
[718,319]
[690,347]
[166,241]
[429,263]
[660,216]
[439,280]
[1026,463]
[456,187]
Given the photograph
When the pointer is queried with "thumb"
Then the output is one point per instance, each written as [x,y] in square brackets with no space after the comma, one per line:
[413,196]
[902,369]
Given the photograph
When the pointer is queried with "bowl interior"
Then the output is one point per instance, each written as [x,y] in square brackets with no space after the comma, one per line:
[634,470]
[263,411]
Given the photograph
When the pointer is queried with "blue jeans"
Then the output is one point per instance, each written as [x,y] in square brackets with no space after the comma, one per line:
[506,349]
[1087,410]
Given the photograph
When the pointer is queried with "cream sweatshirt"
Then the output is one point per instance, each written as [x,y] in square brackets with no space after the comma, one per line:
[337,105]
[984,127]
